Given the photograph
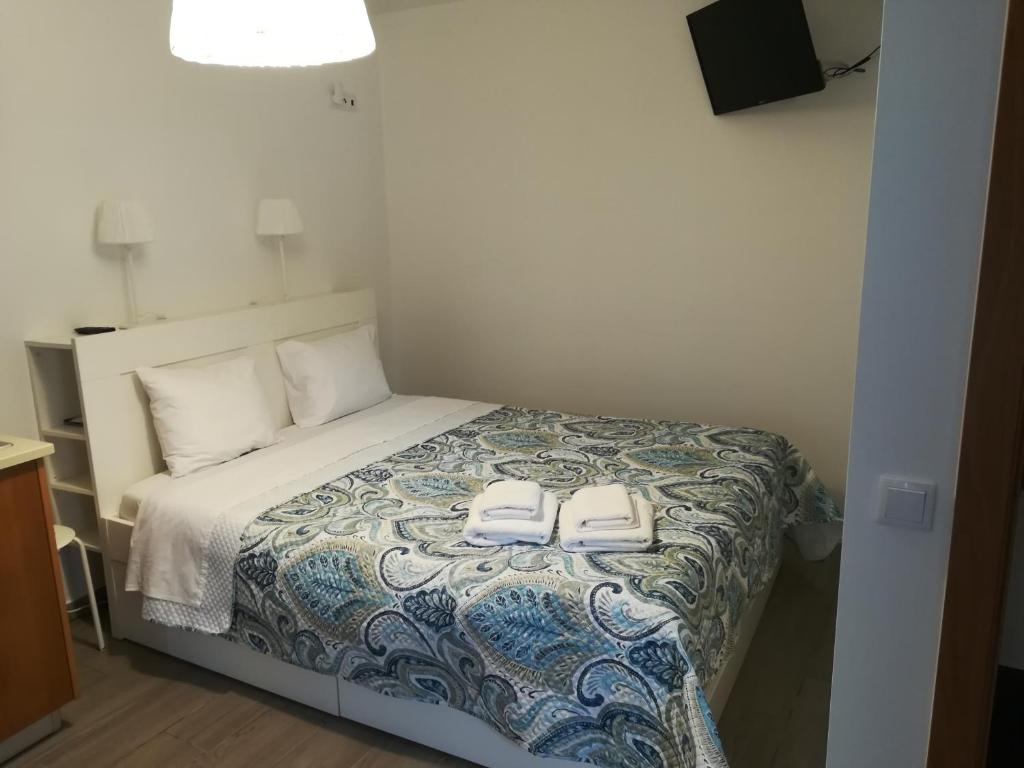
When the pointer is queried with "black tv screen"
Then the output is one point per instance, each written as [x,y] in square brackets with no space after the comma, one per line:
[754,51]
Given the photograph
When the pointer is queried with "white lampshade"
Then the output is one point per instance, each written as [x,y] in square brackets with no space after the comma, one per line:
[271,33]
[278,218]
[123,222]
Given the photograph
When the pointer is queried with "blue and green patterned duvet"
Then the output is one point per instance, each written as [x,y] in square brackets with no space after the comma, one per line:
[592,658]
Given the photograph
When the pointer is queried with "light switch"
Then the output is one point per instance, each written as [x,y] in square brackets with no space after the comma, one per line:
[907,503]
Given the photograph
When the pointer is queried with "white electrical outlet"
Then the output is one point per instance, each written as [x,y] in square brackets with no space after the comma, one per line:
[343,99]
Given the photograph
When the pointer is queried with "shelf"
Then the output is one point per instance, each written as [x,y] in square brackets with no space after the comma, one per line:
[57,342]
[54,385]
[81,484]
[86,538]
[65,432]
[78,513]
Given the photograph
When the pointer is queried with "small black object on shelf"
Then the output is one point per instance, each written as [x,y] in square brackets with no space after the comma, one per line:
[93,330]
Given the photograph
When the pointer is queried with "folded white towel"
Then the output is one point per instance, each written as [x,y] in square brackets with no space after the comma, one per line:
[499,533]
[511,500]
[638,539]
[604,507]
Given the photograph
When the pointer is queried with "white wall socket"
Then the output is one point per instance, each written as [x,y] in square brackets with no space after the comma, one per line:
[343,99]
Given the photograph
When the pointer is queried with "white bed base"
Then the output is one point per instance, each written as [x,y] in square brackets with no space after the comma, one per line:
[439,727]
[123,450]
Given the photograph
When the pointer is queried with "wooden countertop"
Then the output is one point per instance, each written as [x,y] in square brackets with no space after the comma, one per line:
[21,451]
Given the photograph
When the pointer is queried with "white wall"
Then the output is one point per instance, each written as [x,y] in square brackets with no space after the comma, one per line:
[936,102]
[572,228]
[92,105]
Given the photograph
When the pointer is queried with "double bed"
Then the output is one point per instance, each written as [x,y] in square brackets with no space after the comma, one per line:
[330,567]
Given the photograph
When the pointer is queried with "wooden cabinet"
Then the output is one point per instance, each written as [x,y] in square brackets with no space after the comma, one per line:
[37,671]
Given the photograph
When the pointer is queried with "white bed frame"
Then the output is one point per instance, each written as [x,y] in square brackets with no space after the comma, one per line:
[123,450]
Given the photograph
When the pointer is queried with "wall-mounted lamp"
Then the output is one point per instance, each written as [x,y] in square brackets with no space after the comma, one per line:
[127,224]
[279,218]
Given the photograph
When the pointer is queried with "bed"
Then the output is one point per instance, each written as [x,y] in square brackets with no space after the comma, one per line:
[330,567]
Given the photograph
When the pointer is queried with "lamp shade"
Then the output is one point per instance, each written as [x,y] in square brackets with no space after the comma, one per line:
[271,33]
[278,217]
[123,222]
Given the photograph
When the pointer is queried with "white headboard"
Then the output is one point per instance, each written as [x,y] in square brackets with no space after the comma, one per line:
[123,447]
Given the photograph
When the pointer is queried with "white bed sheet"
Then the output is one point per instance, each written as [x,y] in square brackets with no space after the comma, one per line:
[170,556]
[136,495]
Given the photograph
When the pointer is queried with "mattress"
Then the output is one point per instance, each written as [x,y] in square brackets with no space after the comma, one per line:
[358,570]
[135,496]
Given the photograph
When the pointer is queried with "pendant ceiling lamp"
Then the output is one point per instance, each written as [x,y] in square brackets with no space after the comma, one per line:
[270,33]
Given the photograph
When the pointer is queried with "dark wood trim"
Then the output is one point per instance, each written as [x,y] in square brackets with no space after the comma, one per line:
[991,449]
[1006,742]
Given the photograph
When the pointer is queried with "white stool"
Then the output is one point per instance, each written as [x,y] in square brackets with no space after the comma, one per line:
[67,536]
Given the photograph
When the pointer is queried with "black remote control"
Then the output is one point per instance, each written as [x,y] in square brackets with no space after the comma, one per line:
[92,330]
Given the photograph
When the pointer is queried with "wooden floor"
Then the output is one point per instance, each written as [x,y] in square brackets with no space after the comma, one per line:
[777,716]
[141,708]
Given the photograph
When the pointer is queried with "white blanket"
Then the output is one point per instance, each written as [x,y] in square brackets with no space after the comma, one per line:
[169,561]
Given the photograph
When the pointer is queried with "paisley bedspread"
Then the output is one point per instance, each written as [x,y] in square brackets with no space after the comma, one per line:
[591,658]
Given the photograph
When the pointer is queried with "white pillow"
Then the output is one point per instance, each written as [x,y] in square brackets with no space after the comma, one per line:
[332,377]
[205,416]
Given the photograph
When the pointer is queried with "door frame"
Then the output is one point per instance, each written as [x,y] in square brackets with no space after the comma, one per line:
[992,447]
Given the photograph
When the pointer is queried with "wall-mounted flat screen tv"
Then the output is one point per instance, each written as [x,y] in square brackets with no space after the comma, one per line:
[754,51]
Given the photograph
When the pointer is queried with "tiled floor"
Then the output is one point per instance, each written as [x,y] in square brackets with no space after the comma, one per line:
[141,708]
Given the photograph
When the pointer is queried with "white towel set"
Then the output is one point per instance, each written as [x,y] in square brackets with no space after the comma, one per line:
[511,512]
[510,500]
[597,519]
[606,518]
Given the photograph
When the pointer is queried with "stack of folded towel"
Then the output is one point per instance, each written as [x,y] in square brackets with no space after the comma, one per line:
[511,512]
[606,519]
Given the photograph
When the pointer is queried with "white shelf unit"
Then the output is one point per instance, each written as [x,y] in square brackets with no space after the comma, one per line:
[51,365]
[65,432]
